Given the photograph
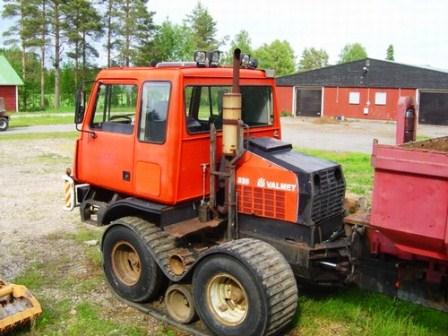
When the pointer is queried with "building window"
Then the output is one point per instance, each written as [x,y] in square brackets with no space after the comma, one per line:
[353,98]
[380,98]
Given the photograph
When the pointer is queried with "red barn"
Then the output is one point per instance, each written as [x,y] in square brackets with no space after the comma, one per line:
[365,89]
[9,82]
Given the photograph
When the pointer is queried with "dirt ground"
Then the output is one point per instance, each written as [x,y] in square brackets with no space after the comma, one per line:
[33,225]
[350,136]
[30,197]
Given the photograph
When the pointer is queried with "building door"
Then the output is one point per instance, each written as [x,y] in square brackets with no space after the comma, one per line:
[308,102]
[433,108]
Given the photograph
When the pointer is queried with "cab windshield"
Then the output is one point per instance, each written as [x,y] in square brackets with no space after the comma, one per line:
[203,106]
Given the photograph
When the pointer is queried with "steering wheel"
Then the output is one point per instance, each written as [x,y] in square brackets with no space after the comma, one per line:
[125,117]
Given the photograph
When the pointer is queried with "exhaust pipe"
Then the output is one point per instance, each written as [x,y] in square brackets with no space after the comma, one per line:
[232,112]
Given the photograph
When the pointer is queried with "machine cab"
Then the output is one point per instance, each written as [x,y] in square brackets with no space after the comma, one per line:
[145,128]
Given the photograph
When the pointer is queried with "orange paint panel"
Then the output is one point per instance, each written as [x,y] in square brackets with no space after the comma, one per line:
[147,179]
[266,189]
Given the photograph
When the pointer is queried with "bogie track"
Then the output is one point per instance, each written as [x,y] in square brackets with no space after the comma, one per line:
[264,275]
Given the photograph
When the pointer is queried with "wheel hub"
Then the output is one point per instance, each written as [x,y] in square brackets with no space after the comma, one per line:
[126,263]
[227,299]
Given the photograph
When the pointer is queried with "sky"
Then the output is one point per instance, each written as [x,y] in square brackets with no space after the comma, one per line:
[418,29]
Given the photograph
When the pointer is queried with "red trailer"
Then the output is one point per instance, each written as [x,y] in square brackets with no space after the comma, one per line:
[406,250]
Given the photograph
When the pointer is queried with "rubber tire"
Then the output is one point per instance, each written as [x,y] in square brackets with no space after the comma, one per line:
[152,281]
[4,124]
[257,316]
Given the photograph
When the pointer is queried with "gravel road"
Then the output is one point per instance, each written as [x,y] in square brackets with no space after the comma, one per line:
[350,136]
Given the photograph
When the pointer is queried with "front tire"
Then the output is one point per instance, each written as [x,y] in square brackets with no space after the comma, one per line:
[248,290]
[128,265]
[4,123]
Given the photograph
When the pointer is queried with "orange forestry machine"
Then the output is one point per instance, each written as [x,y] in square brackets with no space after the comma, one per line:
[204,205]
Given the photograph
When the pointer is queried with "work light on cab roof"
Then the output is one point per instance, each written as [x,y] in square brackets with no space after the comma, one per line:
[213,59]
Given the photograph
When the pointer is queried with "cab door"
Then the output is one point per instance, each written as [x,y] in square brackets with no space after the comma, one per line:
[106,150]
[154,152]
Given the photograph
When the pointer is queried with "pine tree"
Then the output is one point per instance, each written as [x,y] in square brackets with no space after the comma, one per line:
[203,27]
[21,34]
[136,29]
[82,22]
[110,27]
[55,16]
[40,40]
[390,53]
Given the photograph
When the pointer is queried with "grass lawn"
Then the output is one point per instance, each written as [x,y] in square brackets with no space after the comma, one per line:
[356,167]
[355,312]
[39,136]
[30,119]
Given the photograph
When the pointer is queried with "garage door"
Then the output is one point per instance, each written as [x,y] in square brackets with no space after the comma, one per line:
[308,102]
[433,108]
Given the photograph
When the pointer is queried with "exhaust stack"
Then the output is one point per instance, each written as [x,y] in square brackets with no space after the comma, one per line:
[232,144]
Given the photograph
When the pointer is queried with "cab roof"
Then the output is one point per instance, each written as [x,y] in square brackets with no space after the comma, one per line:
[173,70]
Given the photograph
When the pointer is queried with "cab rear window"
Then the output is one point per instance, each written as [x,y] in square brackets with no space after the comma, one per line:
[203,106]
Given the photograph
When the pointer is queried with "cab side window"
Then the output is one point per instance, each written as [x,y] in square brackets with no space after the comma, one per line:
[115,108]
[155,99]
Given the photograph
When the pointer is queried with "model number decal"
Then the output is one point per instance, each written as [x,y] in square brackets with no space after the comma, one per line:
[243,180]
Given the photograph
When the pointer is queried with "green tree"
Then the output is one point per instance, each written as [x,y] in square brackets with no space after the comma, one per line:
[111,27]
[82,23]
[313,59]
[171,42]
[203,27]
[277,55]
[55,15]
[136,29]
[352,52]
[20,34]
[390,53]
[40,39]
[243,42]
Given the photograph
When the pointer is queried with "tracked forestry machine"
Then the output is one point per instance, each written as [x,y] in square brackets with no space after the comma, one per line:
[203,203]
[205,206]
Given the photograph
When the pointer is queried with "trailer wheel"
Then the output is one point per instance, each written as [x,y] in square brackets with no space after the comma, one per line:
[128,265]
[250,291]
[4,123]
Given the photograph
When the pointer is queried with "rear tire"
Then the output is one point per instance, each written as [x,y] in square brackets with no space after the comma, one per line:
[250,291]
[4,123]
[128,265]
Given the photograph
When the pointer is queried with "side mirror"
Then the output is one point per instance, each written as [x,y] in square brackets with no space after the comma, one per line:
[79,106]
